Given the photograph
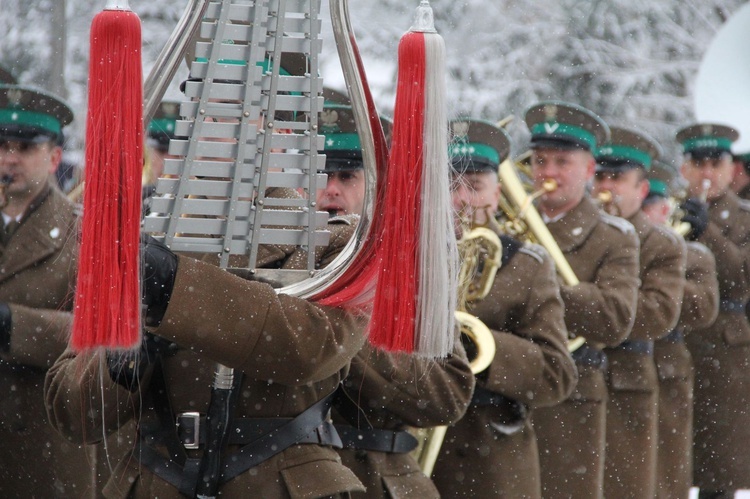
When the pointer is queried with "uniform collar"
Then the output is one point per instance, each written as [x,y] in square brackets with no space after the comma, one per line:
[575,227]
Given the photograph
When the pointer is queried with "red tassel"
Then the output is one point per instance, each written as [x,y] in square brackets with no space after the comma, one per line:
[107,305]
[395,308]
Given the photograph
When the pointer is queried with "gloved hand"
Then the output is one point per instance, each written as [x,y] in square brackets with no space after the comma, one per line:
[128,368]
[5,326]
[696,214]
[159,266]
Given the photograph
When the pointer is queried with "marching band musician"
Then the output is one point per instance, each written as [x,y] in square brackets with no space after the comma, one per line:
[674,365]
[38,258]
[384,391]
[741,180]
[289,355]
[632,381]
[492,451]
[603,252]
[721,352]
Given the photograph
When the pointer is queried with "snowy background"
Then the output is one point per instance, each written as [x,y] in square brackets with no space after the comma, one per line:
[634,62]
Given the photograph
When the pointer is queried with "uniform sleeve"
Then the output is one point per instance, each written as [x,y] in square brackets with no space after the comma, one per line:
[732,262]
[662,288]
[700,304]
[420,392]
[603,311]
[37,336]
[532,364]
[248,326]
[83,403]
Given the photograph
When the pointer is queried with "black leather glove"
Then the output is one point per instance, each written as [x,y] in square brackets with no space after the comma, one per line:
[128,368]
[5,325]
[159,266]
[696,214]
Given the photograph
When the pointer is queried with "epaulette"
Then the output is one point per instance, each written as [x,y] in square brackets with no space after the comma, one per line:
[618,223]
[535,251]
[344,219]
[744,205]
[699,247]
[669,233]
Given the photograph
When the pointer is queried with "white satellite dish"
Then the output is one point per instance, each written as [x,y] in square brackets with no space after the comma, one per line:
[722,90]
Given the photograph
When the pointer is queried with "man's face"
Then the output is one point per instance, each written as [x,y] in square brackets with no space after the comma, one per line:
[628,188]
[476,196]
[570,169]
[28,165]
[658,211]
[344,193]
[714,173]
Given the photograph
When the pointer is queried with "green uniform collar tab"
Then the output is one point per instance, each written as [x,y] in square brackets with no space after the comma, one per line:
[30,118]
[472,149]
[557,128]
[626,153]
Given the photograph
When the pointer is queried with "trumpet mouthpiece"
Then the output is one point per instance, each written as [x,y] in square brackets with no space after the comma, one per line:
[549,185]
[604,197]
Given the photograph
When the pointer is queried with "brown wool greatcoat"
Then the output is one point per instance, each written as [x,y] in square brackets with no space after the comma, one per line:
[532,367]
[721,354]
[292,354]
[603,252]
[700,305]
[394,390]
[632,382]
[37,277]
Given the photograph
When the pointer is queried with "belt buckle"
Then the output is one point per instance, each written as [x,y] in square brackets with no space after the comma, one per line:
[190,422]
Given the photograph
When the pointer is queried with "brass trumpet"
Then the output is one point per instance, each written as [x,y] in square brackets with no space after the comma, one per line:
[5,181]
[520,212]
[675,217]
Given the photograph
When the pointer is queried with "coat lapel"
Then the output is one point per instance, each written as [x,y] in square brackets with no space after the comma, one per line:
[572,230]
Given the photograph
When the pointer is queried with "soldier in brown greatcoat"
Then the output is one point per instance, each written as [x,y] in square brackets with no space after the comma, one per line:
[492,451]
[292,354]
[384,391]
[37,276]
[721,352]
[632,382]
[603,252]
[674,365]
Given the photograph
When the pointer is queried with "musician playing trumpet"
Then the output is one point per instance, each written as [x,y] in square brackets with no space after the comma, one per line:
[492,451]
[721,352]
[674,365]
[632,383]
[603,252]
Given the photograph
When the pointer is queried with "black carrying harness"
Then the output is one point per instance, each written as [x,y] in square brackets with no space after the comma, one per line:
[261,438]
[353,436]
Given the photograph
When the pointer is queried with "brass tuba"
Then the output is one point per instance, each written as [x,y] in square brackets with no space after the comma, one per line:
[481,252]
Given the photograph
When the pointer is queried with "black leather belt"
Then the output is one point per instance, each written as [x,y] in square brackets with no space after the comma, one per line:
[676,336]
[636,346]
[376,439]
[732,306]
[242,431]
[589,356]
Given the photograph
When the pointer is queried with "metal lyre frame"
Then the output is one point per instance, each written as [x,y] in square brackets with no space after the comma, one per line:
[213,199]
